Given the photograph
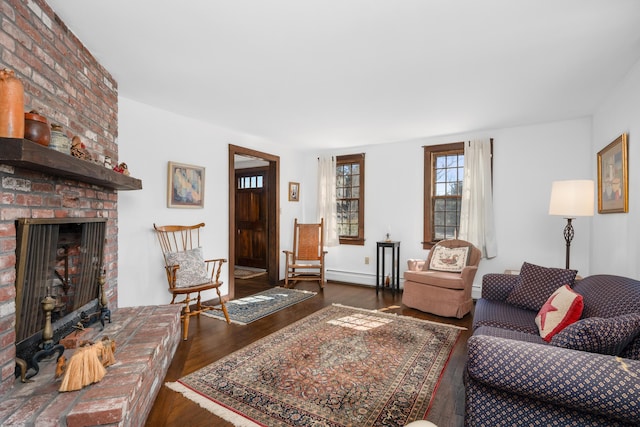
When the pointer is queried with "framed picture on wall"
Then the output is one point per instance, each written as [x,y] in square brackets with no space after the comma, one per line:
[185,187]
[613,177]
[294,191]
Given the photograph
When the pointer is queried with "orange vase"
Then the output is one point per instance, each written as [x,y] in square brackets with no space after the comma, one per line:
[11,105]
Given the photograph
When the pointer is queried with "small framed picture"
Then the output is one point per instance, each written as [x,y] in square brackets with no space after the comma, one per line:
[185,187]
[613,177]
[294,191]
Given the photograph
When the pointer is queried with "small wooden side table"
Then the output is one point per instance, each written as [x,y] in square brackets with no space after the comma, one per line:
[395,264]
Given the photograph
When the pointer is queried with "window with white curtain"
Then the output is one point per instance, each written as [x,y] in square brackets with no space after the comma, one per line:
[443,185]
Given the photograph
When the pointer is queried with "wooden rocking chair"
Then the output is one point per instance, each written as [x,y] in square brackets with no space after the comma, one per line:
[187,271]
[306,261]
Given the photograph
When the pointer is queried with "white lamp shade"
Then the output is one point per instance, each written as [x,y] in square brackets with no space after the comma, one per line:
[572,198]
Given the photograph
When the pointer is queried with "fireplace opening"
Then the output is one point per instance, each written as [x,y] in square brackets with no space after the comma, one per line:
[57,258]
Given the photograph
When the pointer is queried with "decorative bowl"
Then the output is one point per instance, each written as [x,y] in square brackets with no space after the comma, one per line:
[36,128]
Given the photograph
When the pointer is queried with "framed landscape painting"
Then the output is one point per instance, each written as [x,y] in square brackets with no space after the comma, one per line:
[613,177]
[185,187]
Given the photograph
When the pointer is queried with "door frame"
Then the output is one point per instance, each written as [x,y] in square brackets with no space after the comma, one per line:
[273,220]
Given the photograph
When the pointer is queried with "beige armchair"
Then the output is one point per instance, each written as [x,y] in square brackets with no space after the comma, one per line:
[443,287]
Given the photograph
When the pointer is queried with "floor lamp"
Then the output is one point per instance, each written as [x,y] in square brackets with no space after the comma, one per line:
[571,199]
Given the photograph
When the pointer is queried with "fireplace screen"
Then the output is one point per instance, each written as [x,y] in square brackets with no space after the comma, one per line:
[61,258]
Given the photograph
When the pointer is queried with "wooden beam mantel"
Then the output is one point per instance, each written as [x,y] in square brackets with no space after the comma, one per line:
[29,155]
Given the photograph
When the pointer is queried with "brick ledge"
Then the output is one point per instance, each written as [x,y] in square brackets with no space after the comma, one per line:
[146,339]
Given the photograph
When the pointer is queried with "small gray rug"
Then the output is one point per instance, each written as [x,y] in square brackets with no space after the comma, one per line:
[249,309]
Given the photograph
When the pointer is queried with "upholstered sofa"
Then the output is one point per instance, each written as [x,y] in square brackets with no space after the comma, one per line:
[442,283]
[588,373]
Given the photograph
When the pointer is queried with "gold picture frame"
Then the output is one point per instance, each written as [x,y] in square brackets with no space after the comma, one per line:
[185,186]
[294,191]
[613,177]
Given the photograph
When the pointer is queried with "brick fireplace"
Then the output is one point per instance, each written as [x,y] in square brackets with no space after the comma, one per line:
[66,84]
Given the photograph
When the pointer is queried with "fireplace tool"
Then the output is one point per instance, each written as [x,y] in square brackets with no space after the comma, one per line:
[104,313]
[48,348]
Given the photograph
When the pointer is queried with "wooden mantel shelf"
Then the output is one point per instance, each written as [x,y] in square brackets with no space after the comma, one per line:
[29,155]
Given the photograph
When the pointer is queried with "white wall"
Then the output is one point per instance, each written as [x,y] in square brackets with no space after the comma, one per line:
[526,160]
[148,139]
[614,248]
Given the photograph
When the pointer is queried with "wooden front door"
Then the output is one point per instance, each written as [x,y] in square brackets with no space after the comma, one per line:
[251,217]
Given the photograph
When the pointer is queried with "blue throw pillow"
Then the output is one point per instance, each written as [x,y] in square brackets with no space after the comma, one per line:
[599,335]
[537,283]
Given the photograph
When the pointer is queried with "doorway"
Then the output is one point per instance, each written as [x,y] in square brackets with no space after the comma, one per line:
[254,225]
[252,186]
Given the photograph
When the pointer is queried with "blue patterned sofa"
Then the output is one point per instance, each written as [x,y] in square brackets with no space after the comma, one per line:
[515,378]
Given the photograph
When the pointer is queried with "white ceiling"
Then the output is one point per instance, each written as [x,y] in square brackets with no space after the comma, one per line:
[332,73]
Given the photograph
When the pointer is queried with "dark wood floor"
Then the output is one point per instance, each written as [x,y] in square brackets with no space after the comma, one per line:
[211,339]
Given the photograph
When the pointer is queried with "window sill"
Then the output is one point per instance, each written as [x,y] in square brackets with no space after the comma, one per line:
[351,241]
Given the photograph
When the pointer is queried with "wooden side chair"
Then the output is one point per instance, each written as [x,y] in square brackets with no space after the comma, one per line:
[187,270]
[306,261]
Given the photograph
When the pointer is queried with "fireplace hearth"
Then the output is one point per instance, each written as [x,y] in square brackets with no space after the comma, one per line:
[59,284]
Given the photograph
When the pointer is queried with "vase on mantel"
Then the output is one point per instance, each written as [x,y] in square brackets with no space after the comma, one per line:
[59,141]
[11,105]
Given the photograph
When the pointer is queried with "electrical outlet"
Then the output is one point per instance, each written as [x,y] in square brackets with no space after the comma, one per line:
[366,260]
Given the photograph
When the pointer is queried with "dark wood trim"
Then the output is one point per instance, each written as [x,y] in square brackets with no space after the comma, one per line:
[356,158]
[29,155]
[429,150]
[273,220]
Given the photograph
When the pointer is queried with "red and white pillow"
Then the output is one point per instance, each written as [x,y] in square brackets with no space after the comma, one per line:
[563,308]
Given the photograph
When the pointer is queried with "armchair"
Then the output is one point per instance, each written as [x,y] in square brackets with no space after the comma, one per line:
[442,284]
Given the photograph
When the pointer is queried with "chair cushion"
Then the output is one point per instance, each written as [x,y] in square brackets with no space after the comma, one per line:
[562,308]
[435,278]
[600,335]
[632,351]
[509,334]
[448,259]
[192,271]
[500,314]
[537,283]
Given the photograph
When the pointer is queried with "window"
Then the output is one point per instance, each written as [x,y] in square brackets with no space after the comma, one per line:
[443,177]
[250,182]
[350,198]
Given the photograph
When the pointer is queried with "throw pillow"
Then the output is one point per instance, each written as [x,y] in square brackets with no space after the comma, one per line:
[537,283]
[600,335]
[562,308]
[448,259]
[192,271]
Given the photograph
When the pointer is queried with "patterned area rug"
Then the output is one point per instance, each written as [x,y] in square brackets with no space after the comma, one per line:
[341,366]
[249,309]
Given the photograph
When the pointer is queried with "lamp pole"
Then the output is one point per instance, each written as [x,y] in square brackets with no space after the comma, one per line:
[568,237]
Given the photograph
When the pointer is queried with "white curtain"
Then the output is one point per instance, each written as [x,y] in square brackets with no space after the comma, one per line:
[476,214]
[327,199]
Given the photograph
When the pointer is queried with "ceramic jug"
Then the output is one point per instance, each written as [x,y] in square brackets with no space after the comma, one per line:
[11,105]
